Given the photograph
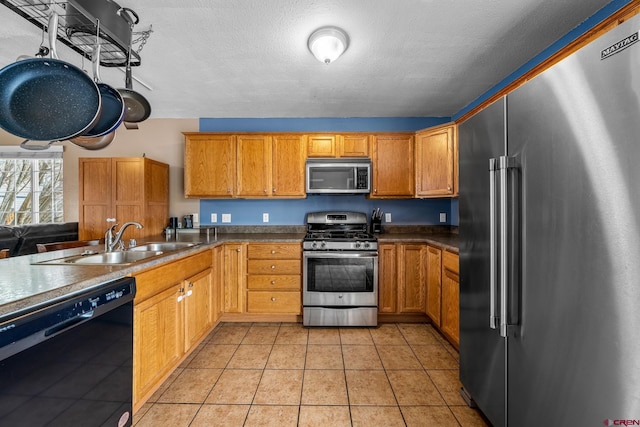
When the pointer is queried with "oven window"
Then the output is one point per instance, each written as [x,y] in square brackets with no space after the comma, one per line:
[340,274]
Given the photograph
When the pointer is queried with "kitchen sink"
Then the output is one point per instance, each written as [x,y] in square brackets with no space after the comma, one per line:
[104,258]
[163,246]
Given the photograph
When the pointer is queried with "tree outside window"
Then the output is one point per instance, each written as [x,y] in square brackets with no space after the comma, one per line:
[30,186]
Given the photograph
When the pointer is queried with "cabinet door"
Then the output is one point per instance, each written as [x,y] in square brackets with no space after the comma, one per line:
[127,175]
[217,284]
[158,342]
[392,166]
[198,310]
[434,277]
[254,166]
[412,278]
[450,297]
[353,146]
[435,162]
[234,278]
[387,278]
[94,189]
[321,146]
[289,153]
[209,166]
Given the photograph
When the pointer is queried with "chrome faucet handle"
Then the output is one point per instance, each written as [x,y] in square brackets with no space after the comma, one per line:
[132,243]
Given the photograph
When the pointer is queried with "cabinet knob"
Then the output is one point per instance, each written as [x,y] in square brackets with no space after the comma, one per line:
[375,190]
[273,298]
[190,285]
[181,290]
[448,187]
[273,267]
[238,250]
[273,282]
[273,251]
[265,191]
[274,190]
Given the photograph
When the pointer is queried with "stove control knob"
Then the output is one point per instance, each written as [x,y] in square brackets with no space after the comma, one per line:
[323,244]
[357,245]
[366,245]
[314,245]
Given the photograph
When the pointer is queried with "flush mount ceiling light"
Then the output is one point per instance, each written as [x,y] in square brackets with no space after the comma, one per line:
[328,43]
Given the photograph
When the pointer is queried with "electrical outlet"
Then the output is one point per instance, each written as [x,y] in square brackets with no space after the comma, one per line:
[443,217]
[226,217]
[214,217]
[387,217]
[265,217]
[196,218]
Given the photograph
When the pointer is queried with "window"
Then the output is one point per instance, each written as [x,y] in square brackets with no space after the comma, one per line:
[30,186]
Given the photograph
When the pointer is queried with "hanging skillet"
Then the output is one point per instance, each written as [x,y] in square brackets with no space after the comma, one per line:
[46,99]
[112,107]
[137,108]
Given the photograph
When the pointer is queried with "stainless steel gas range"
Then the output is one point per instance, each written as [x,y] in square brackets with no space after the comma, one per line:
[340,271]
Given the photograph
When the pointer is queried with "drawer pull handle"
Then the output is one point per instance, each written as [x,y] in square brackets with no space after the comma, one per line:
[273,298]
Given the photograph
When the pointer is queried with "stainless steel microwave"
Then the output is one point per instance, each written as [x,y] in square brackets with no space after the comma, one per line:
[338,176]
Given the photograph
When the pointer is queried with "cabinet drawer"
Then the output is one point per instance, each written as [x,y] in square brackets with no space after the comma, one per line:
[450,261]
[263,282]
[276,266]
[274,251]
[156,279]
[273,302]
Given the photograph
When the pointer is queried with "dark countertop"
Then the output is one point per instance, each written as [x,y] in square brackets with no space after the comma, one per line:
[24,285]
[449,242]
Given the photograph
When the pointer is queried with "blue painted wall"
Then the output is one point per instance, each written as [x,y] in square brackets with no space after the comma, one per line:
[292,212]
[321,124]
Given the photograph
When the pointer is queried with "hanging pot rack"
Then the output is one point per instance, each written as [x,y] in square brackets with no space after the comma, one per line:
[77,27]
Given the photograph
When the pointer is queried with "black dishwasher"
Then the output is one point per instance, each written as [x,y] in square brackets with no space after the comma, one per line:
[70,363]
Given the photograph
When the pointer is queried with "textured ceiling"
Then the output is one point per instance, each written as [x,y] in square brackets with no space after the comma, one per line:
[249,58]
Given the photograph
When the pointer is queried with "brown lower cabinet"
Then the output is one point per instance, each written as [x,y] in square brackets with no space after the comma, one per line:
[274,283]
[443,292]
[401,278]
[173,312]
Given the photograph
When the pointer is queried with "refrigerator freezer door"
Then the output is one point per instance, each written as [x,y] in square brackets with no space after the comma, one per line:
[482,350]
[575,130]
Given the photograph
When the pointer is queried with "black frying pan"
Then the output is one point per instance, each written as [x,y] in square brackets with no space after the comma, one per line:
[137,108]
[112,102]
[46,99]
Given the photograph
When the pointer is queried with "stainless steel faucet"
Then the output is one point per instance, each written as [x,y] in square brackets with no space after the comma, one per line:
[111,241]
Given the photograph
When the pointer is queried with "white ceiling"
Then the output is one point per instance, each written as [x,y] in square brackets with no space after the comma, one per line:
[249,58]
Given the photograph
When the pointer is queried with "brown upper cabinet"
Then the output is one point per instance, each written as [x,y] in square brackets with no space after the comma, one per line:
[244,165]
[392,166]
[209,165]
[338,145]
[437,162]
[124,188]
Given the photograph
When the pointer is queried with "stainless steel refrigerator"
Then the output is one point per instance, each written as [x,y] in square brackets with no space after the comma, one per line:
[550,243]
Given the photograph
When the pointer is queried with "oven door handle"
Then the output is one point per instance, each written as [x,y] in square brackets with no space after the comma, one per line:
[340,254]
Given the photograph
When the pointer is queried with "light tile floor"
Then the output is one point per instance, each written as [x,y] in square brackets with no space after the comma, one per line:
[271,374]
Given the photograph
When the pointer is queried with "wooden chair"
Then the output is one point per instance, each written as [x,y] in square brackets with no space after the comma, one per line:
[48,247]
[4,253]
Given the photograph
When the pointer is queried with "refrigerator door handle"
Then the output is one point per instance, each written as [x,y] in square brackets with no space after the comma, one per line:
[508,244]
[494,318]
